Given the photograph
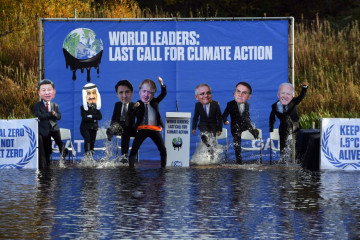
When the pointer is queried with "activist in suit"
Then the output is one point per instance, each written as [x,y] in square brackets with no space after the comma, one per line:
[210,123]
[148,119]
[285,109]
[240,116]
[48,113]
[90,116]
[123,118]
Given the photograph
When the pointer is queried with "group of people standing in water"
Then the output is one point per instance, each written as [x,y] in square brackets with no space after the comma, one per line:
[142,119]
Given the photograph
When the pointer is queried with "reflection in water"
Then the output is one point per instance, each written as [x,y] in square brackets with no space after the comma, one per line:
[223,201]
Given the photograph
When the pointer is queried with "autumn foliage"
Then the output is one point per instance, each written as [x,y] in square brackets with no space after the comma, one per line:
[326,56]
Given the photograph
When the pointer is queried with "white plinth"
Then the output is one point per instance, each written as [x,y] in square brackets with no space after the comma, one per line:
[177,138]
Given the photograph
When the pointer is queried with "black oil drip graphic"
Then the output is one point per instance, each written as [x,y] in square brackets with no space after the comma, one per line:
[82,64]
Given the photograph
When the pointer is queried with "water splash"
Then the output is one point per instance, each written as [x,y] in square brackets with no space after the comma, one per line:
[61,161]
[205,155]
[91,160]
[288,157]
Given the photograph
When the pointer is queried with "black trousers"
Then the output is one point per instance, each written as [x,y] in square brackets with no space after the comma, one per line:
[285,130]
[237,147]
[125,140]
[283,138]
[140,136]
[208,134]
[284,134]
[47,149]
[284,141]
[89,136]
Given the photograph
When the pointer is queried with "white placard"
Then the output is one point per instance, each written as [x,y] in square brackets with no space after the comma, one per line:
[177,138]
[340,143]
[19,143]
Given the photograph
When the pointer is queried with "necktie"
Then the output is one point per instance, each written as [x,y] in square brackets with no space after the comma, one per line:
[122,118]
[124,114]
[47,106]
[205,109]
[241,108]
[146,115]
[284,109]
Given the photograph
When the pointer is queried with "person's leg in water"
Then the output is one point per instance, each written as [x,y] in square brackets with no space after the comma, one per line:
[237,148]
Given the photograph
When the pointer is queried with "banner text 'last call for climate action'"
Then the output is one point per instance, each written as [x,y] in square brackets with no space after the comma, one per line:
[177,46]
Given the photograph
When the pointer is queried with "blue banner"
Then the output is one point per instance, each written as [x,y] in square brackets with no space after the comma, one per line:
[183,53]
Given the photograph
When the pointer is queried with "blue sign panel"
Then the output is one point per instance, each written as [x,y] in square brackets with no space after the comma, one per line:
[183,53]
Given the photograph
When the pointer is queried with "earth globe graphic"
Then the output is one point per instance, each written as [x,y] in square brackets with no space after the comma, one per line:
[82,50]
[177,143]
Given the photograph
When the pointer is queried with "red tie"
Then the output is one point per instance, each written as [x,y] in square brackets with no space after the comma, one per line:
[47,106]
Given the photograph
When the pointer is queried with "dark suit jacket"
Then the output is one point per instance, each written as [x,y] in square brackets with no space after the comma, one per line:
[48,122]
[291,112]
[140,110]
[130,115]
[213,122]
[239,122]
[87,122]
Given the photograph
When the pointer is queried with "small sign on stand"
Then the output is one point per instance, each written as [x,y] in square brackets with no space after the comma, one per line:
[177,138]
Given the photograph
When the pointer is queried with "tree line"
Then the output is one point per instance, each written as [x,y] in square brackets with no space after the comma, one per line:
[332,10]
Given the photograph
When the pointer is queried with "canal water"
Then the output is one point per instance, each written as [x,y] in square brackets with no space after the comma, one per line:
[222,201]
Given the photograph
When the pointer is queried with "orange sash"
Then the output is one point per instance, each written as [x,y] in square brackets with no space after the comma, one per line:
[149,127]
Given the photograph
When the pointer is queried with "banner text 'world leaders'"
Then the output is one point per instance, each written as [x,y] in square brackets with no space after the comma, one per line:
[177,46]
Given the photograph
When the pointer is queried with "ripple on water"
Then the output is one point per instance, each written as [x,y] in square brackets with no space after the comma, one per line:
[108,200]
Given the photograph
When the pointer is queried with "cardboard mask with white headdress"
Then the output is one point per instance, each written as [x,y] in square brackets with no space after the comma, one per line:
[91,95]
